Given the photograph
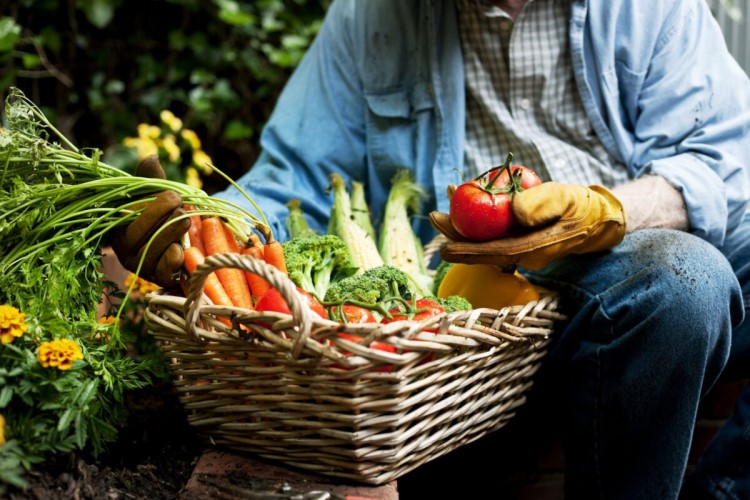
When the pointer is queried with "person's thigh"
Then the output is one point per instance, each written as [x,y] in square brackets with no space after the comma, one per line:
[654,313]
[660,273]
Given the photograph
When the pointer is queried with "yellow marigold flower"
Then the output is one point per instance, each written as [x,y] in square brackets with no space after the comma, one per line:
[143,147]
[192,178]
[202,161]
[170,120]
[142,286]
[59,353]
[191,137]
[2,430]
[12,324]
[170,145]
[146,131]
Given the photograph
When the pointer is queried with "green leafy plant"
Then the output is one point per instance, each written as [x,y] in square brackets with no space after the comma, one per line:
[65,364]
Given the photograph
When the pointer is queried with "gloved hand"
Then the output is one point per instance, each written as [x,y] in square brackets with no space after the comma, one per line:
[165,256]
[553,220]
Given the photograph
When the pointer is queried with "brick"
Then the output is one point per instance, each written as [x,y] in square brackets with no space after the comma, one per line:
[220,474]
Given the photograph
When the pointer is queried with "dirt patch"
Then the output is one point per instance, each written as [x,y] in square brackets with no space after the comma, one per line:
[152,459]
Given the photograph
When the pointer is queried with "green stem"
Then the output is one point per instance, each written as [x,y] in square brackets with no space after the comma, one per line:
[495,172]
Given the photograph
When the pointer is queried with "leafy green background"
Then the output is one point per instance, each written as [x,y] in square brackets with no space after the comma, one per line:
[99,67]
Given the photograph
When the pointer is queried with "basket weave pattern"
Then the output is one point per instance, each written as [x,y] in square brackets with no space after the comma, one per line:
[289,389]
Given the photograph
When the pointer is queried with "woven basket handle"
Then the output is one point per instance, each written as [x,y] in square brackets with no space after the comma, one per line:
[432,247]
[300,310]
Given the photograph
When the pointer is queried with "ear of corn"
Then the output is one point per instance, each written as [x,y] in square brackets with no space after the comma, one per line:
[399,246]
[360,210]
[342,223]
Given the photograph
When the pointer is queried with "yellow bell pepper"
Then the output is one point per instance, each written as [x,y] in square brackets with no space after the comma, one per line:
[485,285]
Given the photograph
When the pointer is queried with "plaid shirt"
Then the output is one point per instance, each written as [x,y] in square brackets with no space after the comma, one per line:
[521,95]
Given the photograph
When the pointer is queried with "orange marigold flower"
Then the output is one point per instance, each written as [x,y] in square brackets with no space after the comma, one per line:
[107,320]
[142,286]
[59,353]
[2,430]
[12,323]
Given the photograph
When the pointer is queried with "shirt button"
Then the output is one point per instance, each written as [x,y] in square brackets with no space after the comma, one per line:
[505,25]
[559,163]
[525,103]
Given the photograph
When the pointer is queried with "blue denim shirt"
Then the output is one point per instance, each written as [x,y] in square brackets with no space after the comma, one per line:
[382,88]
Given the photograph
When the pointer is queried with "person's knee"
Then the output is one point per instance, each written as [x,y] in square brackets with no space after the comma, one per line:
[693,284]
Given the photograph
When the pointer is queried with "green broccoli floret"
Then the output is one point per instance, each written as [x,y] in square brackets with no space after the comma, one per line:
[314,262]
[375,285]
[440,271]
[455,303]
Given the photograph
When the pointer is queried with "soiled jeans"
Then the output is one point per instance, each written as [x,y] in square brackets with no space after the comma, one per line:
[652,325]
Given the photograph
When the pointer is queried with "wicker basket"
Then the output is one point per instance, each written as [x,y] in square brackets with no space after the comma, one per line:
[289,389]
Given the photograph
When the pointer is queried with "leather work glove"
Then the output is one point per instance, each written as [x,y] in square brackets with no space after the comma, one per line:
[165,256]
[552,220]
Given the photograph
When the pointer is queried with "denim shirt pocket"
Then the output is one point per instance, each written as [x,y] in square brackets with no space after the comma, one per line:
[394,121]
[623,88]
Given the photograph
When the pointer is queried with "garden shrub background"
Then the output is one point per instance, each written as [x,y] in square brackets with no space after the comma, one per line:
[98,68]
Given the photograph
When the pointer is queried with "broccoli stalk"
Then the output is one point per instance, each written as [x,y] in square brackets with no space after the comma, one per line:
[342,223]
[314,262]
[399,246]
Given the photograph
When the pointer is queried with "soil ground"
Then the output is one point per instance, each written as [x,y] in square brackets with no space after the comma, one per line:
[152,459]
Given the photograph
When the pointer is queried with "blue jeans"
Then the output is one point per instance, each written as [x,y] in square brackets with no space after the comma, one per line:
[652,325]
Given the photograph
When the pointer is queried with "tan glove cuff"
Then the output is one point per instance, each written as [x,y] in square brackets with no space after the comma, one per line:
[609,231]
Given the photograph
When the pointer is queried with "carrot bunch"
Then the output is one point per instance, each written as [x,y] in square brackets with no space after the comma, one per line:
[230,287]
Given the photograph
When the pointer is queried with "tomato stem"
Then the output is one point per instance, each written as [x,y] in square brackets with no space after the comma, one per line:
[495,172]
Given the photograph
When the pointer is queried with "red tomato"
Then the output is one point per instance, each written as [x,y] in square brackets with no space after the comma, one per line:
[480,208]
[273,301]
[479,213]
[375,344]
[528,177]
[423,309]
[352,314]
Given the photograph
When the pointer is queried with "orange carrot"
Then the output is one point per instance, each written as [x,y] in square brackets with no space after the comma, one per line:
[273,253]
[258,284]
[253,240]
[233,280]
[193,258]
[194,232]
[231,238]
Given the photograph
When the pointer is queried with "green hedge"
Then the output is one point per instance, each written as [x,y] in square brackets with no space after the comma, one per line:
[100,67]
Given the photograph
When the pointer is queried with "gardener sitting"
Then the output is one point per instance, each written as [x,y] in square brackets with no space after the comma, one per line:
[635,116]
